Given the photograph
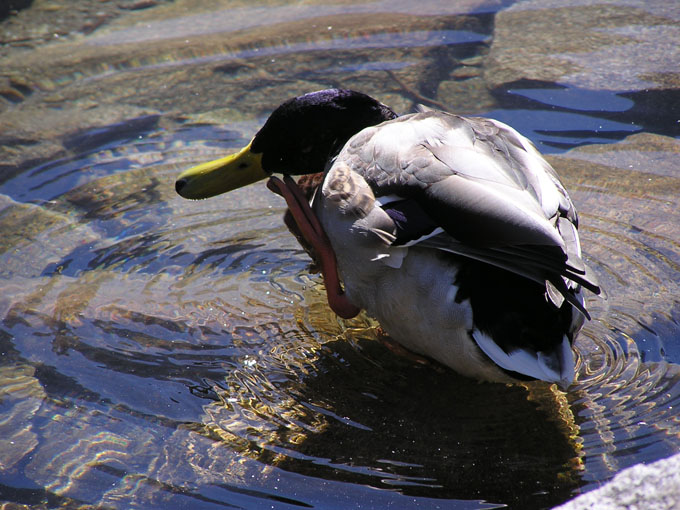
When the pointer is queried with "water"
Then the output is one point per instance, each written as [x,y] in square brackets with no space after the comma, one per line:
[160,353]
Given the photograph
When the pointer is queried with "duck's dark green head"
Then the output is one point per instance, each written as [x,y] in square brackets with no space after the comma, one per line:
[298,138]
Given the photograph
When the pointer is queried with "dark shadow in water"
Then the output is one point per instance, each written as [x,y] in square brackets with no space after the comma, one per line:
[428,432]
[425,432]
[91,139]
[652,111]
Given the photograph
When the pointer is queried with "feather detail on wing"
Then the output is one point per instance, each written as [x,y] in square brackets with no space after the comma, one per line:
[450,190]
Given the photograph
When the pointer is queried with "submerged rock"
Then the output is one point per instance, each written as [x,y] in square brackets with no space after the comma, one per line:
[590,47]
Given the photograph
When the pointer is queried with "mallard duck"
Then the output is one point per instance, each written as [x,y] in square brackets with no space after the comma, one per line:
[453,232]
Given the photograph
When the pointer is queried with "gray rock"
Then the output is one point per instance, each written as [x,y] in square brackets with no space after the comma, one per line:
[641,487]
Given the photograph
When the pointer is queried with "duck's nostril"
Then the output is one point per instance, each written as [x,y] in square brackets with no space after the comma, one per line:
[179,185]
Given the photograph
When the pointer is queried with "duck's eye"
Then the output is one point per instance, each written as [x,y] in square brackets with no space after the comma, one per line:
[242,165]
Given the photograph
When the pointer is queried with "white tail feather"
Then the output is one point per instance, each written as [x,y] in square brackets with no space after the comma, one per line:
[556,366]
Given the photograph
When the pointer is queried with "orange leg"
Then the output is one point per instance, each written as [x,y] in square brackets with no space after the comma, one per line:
[313,232]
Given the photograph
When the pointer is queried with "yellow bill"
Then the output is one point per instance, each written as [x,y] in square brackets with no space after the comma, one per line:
[222,175]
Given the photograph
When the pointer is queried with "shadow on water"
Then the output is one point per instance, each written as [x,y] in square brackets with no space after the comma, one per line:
[159,353]
[572,116]
[428,433]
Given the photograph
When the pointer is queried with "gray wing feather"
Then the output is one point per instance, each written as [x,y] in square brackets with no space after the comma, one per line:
[487,186]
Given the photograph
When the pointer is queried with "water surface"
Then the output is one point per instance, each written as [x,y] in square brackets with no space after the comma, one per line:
[160,353]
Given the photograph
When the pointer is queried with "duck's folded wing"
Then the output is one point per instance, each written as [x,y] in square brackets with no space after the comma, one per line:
[545,264]
[490,194]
